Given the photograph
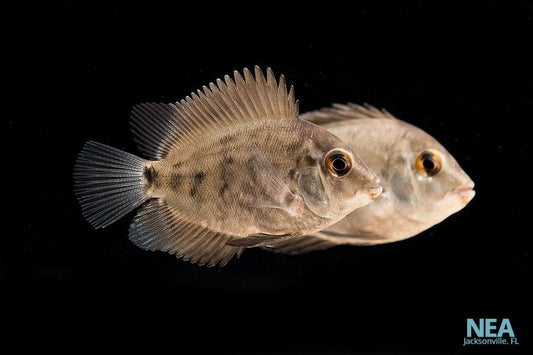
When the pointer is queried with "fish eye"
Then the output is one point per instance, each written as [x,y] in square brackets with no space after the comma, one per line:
[338,162]
[428,162]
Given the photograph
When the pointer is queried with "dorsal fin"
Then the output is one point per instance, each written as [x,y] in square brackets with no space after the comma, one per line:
[340,112]
[158,128]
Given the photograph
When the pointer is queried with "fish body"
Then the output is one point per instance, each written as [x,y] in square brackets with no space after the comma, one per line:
[230,167]
[246,174]
[422,182]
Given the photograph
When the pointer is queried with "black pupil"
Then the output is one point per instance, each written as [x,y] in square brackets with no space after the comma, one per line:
[339,164]
[428,164]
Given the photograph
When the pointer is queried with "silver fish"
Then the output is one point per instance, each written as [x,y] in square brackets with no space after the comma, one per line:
[422,183]
[232,166]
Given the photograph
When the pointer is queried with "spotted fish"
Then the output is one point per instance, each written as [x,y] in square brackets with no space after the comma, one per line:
[229,167]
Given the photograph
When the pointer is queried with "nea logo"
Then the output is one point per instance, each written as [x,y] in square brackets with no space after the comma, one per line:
[484,331]
[487,328]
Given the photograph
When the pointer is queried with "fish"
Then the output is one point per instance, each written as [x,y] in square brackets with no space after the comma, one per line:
[229,167]
[423,184]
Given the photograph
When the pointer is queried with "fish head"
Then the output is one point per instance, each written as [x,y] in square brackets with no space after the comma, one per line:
[334,180]
[428,183]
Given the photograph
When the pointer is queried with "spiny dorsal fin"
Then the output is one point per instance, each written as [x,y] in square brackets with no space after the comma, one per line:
[340,112]
[159,128]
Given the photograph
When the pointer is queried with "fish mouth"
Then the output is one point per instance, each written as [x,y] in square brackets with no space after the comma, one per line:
[465,192]
[368,194]
[375,189]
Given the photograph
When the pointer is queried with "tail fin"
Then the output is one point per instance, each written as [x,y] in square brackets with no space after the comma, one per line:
[108,183]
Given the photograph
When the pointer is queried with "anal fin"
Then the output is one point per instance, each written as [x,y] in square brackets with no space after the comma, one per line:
[157,226]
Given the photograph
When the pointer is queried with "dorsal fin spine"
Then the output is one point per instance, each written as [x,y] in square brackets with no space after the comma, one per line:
[217,99]
[234,94]
[206,95]
[283,102]
[245,94]
[272,86]
[261,84]
[199,112]
[227,100]
[252,89]
[159,128]
[291,97]
[210,114]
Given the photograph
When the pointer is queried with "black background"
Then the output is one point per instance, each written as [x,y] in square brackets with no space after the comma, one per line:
[73,70]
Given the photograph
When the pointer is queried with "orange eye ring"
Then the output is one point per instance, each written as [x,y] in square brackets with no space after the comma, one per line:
[429,162]
[338,162]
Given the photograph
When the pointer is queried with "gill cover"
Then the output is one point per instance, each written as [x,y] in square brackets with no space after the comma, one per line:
[314,192]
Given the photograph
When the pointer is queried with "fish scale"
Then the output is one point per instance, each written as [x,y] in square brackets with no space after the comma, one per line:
[245,168]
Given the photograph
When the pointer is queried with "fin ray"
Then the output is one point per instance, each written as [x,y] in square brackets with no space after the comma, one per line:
[260,239]
[159,128]
[157,226]
[340,112]
[301,244]
[108,183]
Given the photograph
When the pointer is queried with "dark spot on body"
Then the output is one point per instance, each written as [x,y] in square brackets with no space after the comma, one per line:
[150,175]
[227,159]
[199,176]
[177,165]
[227,139]
[292,174]
[175,181]
[197,180]
[225,164]
[223,189]
[251,166]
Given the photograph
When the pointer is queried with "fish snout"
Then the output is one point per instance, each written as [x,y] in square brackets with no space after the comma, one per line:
[466,192]
[368,193]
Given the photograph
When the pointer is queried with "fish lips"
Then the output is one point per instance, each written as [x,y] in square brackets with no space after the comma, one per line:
[465,192]
[369,193]
[374,191]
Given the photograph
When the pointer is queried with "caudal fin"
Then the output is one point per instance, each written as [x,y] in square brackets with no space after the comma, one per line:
[108,183]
